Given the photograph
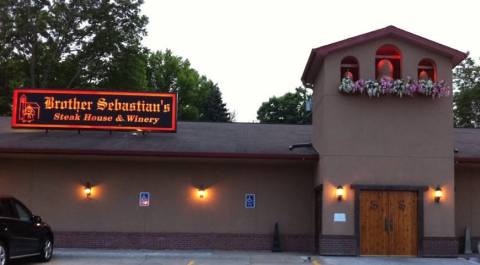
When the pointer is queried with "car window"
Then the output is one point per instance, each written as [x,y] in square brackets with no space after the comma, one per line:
[23,213]
[5,209]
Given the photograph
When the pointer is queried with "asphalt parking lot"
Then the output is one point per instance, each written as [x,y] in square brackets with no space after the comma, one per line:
[144,257]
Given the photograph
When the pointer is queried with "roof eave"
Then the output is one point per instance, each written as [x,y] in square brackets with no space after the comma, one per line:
[306,71]
[468,160]
[164,154]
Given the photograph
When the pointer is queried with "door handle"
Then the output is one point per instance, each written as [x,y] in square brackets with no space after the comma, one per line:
[388,225]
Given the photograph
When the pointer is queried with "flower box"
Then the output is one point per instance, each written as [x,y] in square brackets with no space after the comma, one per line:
[398,87]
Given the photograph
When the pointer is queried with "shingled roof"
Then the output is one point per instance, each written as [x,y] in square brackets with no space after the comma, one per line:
[467,145]
[193,139]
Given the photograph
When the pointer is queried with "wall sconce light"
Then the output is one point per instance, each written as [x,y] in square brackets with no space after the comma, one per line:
[438,194]
[340,192]
[202,192]
[88,189]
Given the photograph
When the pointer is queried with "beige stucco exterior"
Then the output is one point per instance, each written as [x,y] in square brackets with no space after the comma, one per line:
[383,141]
[467,199]
[53,188]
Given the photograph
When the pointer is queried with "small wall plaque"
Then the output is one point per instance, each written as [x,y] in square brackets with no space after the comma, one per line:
[339,217]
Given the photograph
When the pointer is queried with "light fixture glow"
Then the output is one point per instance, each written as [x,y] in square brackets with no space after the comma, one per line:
[340,192]
[202,192]
[88,189]
[438,194]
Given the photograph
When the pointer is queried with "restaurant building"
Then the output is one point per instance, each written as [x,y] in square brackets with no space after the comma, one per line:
[381,171]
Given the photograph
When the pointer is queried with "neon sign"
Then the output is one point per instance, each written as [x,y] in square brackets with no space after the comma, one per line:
[101,110]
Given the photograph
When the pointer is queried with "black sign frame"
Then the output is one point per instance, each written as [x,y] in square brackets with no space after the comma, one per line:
[94,110]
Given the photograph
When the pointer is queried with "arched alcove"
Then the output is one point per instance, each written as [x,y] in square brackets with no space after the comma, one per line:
[388,60]
[427,70]
[349,68]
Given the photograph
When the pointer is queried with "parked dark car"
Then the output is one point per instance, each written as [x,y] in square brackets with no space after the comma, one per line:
[22,234]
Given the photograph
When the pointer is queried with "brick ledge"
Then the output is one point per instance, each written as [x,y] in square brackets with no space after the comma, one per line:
[440,246]
[181,241]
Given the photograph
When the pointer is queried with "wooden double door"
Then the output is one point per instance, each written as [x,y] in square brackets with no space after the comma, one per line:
[388,223]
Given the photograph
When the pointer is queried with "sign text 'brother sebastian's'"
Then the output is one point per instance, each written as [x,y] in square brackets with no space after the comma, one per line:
[84,109]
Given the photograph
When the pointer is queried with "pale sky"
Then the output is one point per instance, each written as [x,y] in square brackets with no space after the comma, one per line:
[255,49]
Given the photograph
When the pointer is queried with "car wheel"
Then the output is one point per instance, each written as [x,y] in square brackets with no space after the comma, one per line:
[3,254]
[47,250]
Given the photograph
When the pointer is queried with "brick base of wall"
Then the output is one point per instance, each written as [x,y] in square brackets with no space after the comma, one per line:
[181,241]
[440,247]
[461,244]
[337,245]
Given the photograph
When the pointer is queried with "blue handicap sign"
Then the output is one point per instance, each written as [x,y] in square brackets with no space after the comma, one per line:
[144,199]
[250,200]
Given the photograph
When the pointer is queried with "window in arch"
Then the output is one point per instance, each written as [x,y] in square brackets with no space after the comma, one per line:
[388,62]
[427,70]
[349,68]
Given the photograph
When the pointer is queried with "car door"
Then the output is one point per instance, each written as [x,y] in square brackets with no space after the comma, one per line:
[8,220]
[24,230]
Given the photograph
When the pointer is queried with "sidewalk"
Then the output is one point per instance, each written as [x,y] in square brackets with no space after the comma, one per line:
[172,257]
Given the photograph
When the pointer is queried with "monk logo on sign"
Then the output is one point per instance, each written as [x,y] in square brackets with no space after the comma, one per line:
[29,111]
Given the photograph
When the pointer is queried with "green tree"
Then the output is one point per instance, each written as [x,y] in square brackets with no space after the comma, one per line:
[95,44]
[68,43]
[289,108]
[11,76]
[466,81]
[211,106]
[199,98]
[164,69]
[65,43]
[10,66]
[127,70]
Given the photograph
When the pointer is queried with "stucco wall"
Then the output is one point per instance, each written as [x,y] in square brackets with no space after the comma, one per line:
[52,188]
[383,141]
[467,199]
